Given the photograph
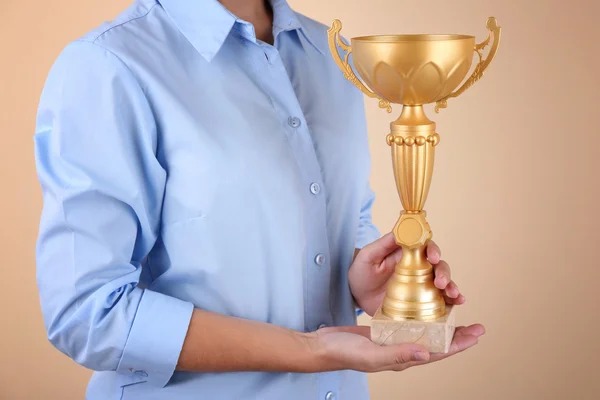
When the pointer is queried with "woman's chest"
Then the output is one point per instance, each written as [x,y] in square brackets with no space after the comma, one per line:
[242,138]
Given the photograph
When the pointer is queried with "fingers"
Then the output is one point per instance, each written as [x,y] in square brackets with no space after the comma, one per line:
[474,330]
[452,290]
[443,277]
[378,250]
[398,357]
[459,344]
[457,301]
[441,269]
[350,347]
[442,281]
[395,257]
[464,338]
[434,253]
[462,342]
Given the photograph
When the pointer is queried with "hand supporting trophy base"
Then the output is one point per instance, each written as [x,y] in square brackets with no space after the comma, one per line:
[413,70]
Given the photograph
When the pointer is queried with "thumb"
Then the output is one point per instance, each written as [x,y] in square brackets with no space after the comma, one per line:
[378,250]
[401,354]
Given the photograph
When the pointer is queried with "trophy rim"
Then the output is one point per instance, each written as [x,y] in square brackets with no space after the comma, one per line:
[412,37]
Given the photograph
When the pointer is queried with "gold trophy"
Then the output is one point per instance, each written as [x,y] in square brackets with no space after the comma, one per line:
[413,70]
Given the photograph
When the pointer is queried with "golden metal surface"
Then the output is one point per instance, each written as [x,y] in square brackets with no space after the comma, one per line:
[413,70]
[494,31]
[335,39]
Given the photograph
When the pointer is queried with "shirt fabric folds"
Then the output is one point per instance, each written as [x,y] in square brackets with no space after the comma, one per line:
[183,164]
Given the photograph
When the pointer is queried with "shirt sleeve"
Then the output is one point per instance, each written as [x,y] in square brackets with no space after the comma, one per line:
[367,231]
[102,185]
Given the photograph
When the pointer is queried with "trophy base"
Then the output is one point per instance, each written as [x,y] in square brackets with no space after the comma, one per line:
[435,335]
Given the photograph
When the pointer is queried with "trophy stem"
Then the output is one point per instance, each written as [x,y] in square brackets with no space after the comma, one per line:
[411,294]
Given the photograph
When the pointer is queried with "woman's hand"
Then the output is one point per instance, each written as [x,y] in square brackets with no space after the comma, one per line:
[374,265]
[350,347]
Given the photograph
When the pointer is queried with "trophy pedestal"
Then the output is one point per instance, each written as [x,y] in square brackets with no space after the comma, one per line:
[435,335]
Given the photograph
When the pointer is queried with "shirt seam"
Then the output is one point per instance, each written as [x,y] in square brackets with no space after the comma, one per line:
[124,64]
[122,23]
[120,60]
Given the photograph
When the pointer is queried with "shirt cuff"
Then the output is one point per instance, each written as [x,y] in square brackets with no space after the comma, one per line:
[156,338]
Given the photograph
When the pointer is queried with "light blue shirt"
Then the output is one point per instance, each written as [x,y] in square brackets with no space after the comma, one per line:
[184,163]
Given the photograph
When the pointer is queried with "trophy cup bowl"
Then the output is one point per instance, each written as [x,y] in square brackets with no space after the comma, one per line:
[413,70]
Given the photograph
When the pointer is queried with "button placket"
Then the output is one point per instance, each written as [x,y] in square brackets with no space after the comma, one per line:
[317,309]
[270,56]
[285,102]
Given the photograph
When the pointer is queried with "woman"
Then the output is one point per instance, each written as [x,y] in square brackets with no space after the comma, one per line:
[205,173]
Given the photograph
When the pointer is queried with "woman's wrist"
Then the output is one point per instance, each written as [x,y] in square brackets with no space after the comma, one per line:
[321,356]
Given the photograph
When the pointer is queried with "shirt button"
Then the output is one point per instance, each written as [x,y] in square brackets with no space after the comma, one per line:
[294,122]
[320,259]
[315,188]
[330,396]
[322,326]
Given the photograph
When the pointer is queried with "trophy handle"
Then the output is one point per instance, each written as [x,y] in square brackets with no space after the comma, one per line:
[334,39]
[493,30]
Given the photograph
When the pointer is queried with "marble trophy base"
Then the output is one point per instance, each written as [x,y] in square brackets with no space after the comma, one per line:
[435,335]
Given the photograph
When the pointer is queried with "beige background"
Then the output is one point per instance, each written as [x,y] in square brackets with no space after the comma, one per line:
[514,201]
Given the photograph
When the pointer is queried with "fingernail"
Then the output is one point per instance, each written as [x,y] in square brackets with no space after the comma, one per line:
[421,356]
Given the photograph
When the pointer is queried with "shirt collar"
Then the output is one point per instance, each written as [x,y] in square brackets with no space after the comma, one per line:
[207,23]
